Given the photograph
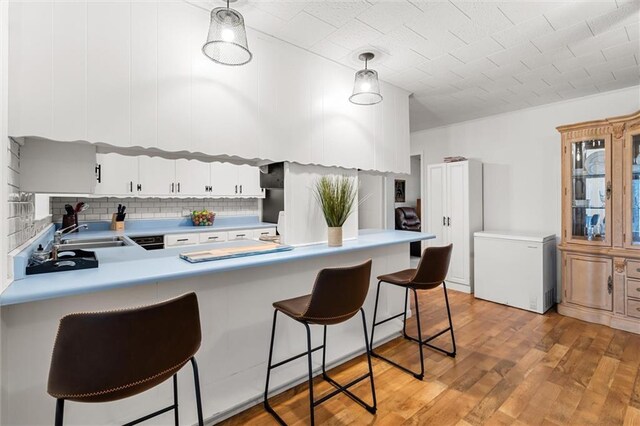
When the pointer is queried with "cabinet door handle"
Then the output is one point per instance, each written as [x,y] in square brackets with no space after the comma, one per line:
[182,239]
[236,189]
[448,221]
[130,186]
[241,189]
[139,187]
[609,190]
[172,187]
[444,221]
[99,173]
[178,186]
[213,238]
[610,284]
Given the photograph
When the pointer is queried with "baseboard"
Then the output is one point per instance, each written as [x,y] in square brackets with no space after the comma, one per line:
[458,287]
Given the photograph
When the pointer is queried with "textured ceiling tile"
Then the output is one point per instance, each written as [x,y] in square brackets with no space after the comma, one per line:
[401,59]
[574,62]
[614,64]
[628,73]
[624,49]
[477,50]
[440,65]
[523,32]
[536,74]
[329,50]
[260,20]
[474,68]
[282,9]
[626,14]
[386,16]
[617,84]
[574,12]
[403,38]
[505,70]
[485,18]
[336,13]
[437,19]
[575,74]
[560,38]
[305,30]
[599,42]
[520,11]
[537,60]
[578,93]
[514,54]
[354,35]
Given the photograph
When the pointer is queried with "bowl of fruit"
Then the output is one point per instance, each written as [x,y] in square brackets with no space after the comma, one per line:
[202,218]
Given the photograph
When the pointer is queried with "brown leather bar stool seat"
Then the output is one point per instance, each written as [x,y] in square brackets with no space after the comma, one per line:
[430,274]
[338,295]
[112,355]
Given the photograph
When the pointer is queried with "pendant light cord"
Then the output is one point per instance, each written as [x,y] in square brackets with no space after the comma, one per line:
[227,4]
[365,63]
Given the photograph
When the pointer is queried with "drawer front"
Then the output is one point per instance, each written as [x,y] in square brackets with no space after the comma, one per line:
[633,288]
[633,269]
[180,240]
[213,237]
[241,234]
[257,233]
[633,308]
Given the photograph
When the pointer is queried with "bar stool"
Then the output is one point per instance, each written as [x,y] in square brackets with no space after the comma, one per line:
[431,272]
[111,355]
[337,295]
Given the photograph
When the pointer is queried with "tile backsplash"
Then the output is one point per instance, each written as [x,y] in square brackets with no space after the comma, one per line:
[21,223]
[149,208]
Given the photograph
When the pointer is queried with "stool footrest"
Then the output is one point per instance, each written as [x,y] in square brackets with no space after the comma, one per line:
[395,364]
[426,341]
[388,319]
[344,388]
[293,358]
[152,415]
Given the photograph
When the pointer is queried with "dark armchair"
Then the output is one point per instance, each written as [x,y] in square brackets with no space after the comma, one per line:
[407,220]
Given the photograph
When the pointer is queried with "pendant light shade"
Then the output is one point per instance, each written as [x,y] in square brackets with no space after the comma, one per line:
[227,40]
[366,88]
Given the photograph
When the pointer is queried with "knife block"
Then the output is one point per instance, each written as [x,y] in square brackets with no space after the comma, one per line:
[115,225]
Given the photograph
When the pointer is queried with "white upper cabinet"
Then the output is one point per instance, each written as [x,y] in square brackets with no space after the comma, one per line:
[116,175]
[157,176]
[131,73]
[224,179]
[249,181]
[108,72]
[193,178]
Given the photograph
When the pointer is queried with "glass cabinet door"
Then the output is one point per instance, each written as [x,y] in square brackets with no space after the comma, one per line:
[591,190]
[635,190]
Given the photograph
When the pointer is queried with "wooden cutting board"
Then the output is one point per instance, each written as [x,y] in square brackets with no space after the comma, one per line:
[231,252]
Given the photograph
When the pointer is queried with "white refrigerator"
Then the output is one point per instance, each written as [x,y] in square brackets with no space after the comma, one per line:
[516,269]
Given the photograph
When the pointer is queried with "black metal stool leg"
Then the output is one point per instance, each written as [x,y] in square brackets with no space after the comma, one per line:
[453,337]
[309,360]
[59,411]
[196,380]
[267,406]
[375,314]
[419,375]
[417,307]
[373,408]
[175,399]
[324,352]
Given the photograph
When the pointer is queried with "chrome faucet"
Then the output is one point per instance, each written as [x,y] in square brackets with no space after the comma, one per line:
[57,238]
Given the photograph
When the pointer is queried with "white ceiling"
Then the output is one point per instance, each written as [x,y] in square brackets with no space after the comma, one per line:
[468,59]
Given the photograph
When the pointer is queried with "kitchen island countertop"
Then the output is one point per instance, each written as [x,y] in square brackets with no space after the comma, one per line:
[132,265]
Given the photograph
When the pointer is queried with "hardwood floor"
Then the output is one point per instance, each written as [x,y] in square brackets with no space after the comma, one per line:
[513,367]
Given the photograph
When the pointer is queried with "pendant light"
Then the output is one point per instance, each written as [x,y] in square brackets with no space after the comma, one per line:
[366,89]
[227,40]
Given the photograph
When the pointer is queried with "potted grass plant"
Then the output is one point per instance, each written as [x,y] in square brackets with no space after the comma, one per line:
[337,198]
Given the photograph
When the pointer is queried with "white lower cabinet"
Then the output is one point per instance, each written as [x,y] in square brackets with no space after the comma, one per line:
[267,232]
[213,237]
[122,175]
[175,240]
[242,234]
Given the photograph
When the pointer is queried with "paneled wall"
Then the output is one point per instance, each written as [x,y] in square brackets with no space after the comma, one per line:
[132,73]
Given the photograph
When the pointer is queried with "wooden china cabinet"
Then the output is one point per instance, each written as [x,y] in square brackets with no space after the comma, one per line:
[601,221]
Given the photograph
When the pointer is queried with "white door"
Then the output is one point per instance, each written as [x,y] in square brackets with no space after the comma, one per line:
[117,174]
[157,176]
[249,181]
[457,196]
[436,204]
[193,177]
[224,179]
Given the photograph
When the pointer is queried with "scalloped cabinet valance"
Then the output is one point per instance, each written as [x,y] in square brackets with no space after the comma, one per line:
[132,74]
[601,221]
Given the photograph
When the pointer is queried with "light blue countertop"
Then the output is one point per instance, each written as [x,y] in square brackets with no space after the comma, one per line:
[132,265]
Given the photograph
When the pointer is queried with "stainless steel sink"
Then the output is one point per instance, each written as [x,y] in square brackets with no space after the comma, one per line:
[93,243]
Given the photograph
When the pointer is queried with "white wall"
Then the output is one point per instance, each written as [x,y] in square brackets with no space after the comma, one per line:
[521,156]
[371,201]
[304,222]
[412,184]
